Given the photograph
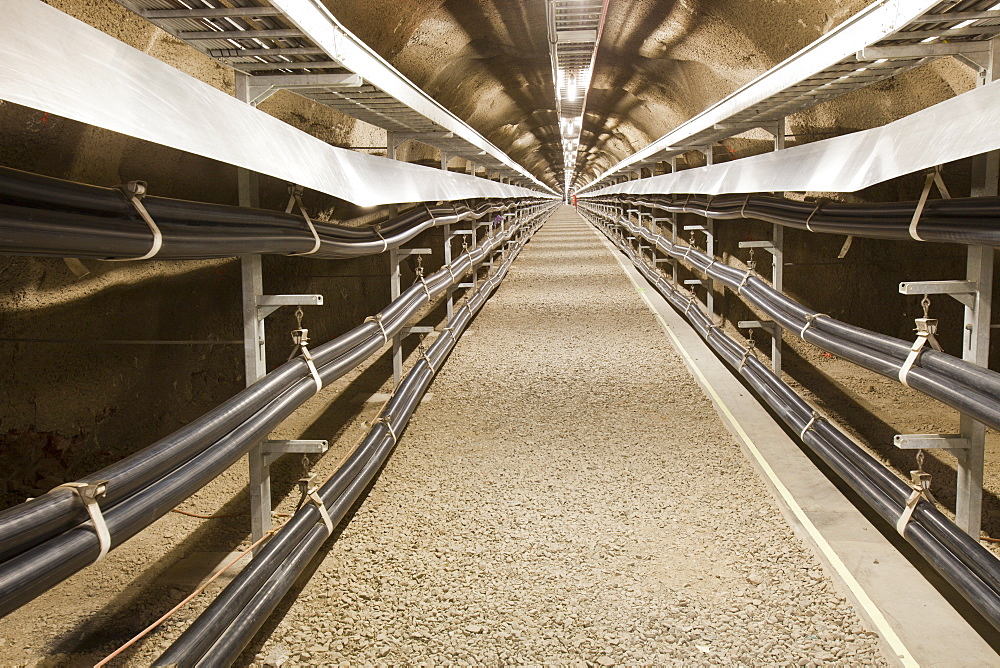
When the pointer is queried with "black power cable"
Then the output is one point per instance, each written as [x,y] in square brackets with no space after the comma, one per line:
[44,216]
[48,539]
[971,569]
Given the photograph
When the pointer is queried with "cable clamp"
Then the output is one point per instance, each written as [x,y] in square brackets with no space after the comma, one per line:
[809,322]
[312,496]
[378,231]
[307,356]
[377,319]
[926,333]
[295,197]
[450,272]
[423,354]
[427,290]
[743,283]
[747,353]
[387,421]
[814,212]
[709,267]
[430,213]
[89,493]
[135,191]
[934,178]
[300,341]
[809,425]
[921,487]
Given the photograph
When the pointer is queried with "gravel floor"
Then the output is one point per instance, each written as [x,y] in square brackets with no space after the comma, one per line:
[568,496]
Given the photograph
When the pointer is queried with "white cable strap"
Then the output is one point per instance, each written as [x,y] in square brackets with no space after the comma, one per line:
[809,425]
[450,272]
[424,357]
[312,367]
[387,421]
[809,322]
[809,219]
[89,493]
[743,283]
[385,244]
[746,356]
[324,514]
[427,290]
[296,198]
[928,182]
[709,267]
[911,505]
[377,319]
[916,350]
[134,192]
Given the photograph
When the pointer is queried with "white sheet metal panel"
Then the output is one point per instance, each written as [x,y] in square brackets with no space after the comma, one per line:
[963,126]
[55,63]
[863,29]
[322,27]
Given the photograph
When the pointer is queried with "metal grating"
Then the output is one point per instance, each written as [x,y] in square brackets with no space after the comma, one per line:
[950,28]
[574,29]
[262,39]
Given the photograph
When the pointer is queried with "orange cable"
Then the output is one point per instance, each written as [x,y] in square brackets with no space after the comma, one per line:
[180,605]
[202,517]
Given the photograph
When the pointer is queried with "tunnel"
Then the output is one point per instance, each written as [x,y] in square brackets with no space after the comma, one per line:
[499,332]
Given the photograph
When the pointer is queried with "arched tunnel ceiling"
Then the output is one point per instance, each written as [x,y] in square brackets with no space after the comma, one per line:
[659,63]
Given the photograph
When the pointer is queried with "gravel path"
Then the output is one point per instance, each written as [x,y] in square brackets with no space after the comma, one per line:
[568,496]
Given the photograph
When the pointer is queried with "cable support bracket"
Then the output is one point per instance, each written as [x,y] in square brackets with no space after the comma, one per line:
[89,493]
[809,322]
[295,198]
[135,191]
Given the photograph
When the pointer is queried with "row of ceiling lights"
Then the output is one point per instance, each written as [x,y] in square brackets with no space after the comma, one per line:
[574,29]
